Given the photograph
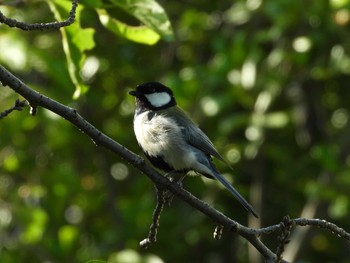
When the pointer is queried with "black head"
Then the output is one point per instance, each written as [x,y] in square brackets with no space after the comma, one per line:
[154,96]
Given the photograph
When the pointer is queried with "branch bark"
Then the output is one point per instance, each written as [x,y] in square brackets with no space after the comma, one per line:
[40,26]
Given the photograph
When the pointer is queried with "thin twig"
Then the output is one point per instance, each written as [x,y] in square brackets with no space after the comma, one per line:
[340,232]
[41,26]
[308,222]
[152,234]
[285,226]
[19,105]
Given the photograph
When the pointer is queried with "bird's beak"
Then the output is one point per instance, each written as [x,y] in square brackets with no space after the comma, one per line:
[134,93]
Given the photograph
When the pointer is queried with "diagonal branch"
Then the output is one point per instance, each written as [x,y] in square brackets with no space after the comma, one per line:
[36,99]
[100,139]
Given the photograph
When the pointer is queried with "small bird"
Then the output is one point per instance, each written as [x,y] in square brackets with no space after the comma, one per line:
[171,140]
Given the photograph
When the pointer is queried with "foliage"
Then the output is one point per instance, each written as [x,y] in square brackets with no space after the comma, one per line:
[266,80]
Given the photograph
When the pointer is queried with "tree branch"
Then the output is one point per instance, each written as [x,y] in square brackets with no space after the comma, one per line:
[19,105]
[41,26]
[100,139]
[285,226]
[152,235]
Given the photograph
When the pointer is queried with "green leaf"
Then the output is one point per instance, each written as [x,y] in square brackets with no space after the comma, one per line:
[150,13]
[139,34]
[76,40]
[94,3]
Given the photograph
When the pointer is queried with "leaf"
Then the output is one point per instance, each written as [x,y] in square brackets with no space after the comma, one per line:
[139,34]
[94,3]
[150,13]
[76,40]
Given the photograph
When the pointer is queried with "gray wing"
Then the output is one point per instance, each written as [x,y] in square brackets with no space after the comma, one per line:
[198,139]
[194,135]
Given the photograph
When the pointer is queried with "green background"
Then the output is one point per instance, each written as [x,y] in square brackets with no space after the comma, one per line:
[268,82]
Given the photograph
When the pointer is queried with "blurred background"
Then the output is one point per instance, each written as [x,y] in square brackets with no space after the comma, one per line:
[268,82]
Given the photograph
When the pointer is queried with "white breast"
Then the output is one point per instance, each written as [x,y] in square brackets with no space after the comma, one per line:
[163,137]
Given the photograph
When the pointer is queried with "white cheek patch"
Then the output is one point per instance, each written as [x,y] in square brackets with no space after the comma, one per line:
[158,99]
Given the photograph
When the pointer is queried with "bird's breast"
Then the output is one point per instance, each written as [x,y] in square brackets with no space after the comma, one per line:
[162,136]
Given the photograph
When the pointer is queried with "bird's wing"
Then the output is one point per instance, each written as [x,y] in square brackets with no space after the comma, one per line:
[193,134]
[198,139]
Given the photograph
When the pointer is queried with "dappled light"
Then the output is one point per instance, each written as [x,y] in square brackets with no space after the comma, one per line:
[267,81]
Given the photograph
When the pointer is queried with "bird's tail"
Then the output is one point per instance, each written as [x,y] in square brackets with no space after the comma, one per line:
[236,194]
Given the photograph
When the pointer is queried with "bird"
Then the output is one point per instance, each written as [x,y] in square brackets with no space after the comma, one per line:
[171,141]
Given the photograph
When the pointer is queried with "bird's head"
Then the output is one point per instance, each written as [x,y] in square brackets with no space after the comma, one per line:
[154,95]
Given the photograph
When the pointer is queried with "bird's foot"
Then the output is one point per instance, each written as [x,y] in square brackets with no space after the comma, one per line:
[175,179]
